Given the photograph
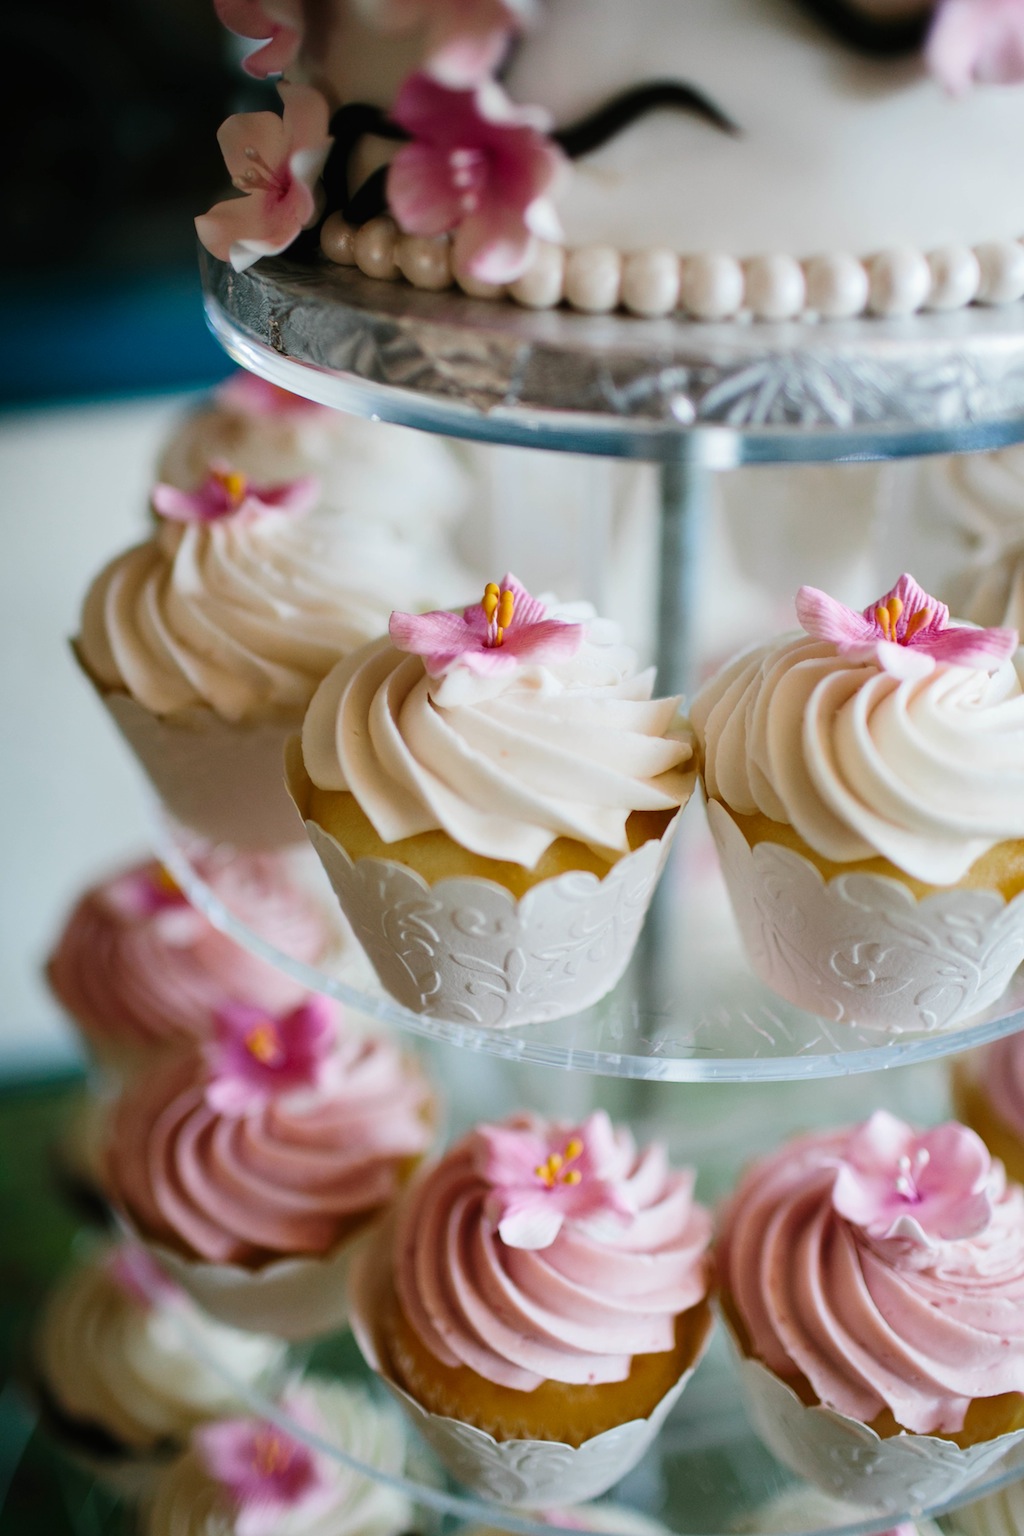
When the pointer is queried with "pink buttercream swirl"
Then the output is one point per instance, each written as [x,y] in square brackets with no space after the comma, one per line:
[136,966]
[578,1310]
[869,1322]
[294,1176]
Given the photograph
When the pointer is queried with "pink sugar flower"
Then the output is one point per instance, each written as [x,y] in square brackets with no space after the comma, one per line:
[977,42]
[465,39]
[227,493]
[248,393]
[150,894]
[139,1276]
[907,633]
[275,23]
[257,1056]
[478,165]
[922,1190]
[543,1178]
[265,1472]
[509,628]
[276,162]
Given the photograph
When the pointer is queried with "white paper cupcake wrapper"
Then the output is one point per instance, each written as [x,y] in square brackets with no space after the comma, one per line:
[530,1474]
[222,780]
[849,1461]
[860,948]
[466,950]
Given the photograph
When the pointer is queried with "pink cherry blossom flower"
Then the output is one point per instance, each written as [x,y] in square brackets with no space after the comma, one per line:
[138,1276]
[543,1177]
[227,493]
[508,629]
[276,162]
[148,893]
[977,42]
[478,165]
[265,1472]
[921,1190]
[252,396]
[465,39]
[906,632]
[256,1056]
[276,23]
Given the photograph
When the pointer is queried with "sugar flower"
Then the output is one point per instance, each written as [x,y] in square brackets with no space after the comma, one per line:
[465,39]
[921,1190]
[149,894]
[227,493]
[977,42]
[257,1056]
[138,1275]
[276,162]
[906,632]
[275,23]
[507,629]
[478,165]
[247,392]
[265,1472]
[543,1178]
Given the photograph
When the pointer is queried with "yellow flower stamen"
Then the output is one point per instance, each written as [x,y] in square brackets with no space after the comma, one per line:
[263,1043]
[498,605]
[551,1172]
[917,621]
[234,483]
[573,1177]
[883,621]
[492,596]
[270,1453]
[165,881]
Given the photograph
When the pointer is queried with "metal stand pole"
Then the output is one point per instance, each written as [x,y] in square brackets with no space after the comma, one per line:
[686,492]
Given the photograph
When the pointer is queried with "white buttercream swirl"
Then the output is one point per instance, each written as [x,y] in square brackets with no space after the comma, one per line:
[1000,1514]
[242,615]
[513,761]
[927,772]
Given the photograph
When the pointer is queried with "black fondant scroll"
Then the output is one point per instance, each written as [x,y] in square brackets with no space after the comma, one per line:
[873,35]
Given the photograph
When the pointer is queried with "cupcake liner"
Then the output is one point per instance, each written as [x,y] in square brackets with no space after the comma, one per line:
[220,779]
[850,1461]
[861,948]
[530,1474]
[466,950]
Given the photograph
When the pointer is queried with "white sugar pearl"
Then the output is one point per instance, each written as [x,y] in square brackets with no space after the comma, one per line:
[775,287]
[374,248]
[837,285]
[956,274]
[900,281]
[540,286]
[475,287]
[1002,271]
[650,282]
[593,279]
[712,286]
[337,241]
[425,261]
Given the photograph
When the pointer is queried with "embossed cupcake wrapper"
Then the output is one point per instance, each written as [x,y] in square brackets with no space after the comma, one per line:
[849,1461]
[222,780]
[467,951]
[520,1474]
[862,949]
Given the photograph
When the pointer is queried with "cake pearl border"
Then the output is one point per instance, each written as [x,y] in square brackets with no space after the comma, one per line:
[655,283]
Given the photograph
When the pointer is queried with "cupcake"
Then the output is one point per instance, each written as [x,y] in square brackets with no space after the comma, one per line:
[873,1280]
[126,1366]
[865,786]
[538,1306]
[138,968]
[999,1514]
[493,795]
[988,1093]
[207,641]
[251,1166]
[252,1477]
[805,1509]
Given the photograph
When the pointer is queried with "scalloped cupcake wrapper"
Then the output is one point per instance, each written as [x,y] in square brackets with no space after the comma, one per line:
[467,951]
[850,1461]
[861,948]
[520,1474]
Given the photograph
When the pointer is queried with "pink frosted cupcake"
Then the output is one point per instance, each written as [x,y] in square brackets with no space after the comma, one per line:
[874,1282]
[252,1165]
[137,967]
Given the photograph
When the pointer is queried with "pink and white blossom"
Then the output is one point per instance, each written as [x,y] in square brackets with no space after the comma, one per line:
[508,629]
[544,1177]
[920,1190]
[257,1056]
[148,893]
[227,493]
[464,41]
[907,633]
[265,1472]
[977,42]
[276,162]
[277,24]
[252,396]
[478,165]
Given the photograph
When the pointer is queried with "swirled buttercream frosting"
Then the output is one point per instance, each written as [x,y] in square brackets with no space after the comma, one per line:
[136,966]
[537,1252]
[143,1369]
[923,765]
[293,1174]
[882,1269]
[506,743]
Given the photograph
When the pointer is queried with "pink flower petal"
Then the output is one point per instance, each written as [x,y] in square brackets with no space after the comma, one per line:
[977,41]
[826,619]
[420,191]
[529,1225]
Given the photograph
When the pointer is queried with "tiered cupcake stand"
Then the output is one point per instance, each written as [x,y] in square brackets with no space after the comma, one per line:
[696,399]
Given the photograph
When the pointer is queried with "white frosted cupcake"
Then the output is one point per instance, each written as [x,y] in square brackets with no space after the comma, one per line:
[493,794]
[805,1509]
[127,1366]
[250,1477]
